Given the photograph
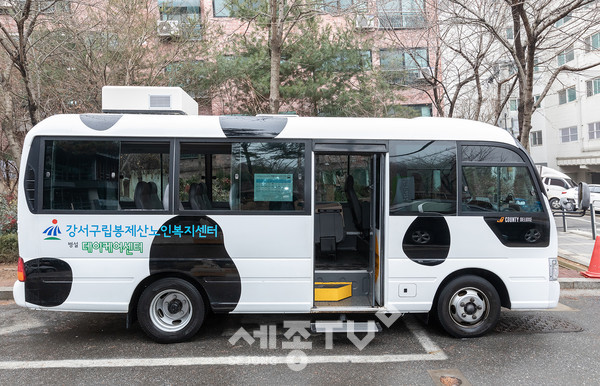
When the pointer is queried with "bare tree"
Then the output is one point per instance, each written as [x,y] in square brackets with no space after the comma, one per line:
[528,31]
[116,43]
[17,27]
[19,91]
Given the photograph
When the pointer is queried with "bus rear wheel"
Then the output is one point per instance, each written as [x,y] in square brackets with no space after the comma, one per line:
[468,306]
[170,310]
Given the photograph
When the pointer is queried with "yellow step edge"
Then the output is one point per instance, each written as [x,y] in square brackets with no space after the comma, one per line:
[332,291]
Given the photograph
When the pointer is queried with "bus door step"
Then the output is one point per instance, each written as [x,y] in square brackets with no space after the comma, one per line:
[344,326]
[332,291]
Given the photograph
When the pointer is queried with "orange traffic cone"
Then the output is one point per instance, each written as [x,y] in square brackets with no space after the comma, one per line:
[594,268]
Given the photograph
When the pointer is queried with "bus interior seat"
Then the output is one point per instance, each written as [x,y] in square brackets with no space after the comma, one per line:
[198,197]
[141,195]
[154,201]
[355,205]
[94,199]
[329,230]
[203,191]
[194,196]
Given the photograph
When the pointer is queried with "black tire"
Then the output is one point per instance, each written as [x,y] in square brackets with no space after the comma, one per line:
[468,306]
[170,310]
[555,204]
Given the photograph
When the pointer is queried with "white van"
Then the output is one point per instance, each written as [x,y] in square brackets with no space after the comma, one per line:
[557,185]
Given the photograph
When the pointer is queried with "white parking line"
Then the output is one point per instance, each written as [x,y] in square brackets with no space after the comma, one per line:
[433,353]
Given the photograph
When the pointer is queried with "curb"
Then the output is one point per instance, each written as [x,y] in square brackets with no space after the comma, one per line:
[579,283]
[6,293]
[570,264]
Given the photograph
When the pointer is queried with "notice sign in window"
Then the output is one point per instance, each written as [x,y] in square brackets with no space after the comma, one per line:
[273,187]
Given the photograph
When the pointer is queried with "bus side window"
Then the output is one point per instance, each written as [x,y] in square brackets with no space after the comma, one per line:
[497,188]
[143,175]
[257,176]
[423,177]
[80,175]
[204,176]
[268,176]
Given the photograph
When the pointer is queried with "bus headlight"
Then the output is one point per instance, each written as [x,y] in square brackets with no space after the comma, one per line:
[553,269]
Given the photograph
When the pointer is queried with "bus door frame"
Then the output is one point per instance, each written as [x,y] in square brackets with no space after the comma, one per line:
[378,151]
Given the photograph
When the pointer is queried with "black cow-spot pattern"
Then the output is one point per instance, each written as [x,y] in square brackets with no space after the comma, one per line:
[198,254]
[427,240]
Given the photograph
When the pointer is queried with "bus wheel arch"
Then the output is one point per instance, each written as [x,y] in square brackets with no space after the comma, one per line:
[160,294]
[467,302]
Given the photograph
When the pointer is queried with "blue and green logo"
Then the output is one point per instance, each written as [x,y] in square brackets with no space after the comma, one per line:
[52,231]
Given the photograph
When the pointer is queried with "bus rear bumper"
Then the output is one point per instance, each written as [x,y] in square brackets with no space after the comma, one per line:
[545,299]
[554,293]
[19,293]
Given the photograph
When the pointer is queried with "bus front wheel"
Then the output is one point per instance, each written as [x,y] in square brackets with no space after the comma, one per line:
[170,310]
[468,306]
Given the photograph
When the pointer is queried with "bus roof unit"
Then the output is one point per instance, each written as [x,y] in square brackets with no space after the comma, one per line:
[147,100]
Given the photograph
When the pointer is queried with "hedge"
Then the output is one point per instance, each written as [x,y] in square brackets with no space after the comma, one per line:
[9,248]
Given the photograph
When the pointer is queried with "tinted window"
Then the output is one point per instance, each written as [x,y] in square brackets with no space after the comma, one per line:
[496,188]
[489,154]
[422,177]
[205,176]
[81,175]
[104,175]
[144,175]
[267,176]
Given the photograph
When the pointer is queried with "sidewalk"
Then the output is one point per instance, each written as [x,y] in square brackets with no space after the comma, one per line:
[575,252]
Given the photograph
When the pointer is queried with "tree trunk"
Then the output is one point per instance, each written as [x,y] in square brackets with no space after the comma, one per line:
[275,45]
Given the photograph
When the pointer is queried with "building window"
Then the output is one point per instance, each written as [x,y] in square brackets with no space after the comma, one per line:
[593,87]
[510,33]
[513,104]
[184,16]
[567,95]
[349,60]
[594,130]
[421,110]
[337,6]
[403,66]
[563,21]
[397,14]
[566,56]
[568,134]
[593,42]
[221,8]
[227,8]
[536,138]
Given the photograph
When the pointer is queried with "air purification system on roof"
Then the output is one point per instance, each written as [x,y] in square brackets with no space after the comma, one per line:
[147,100]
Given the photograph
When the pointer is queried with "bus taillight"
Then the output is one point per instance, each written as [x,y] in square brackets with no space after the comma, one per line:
[21,270]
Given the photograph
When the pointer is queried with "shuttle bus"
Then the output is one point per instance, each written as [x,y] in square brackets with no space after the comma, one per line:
[166,218]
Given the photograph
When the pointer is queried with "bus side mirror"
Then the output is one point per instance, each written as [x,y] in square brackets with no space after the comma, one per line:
[583,196]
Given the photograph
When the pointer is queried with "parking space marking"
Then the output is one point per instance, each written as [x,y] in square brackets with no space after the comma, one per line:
[433,353]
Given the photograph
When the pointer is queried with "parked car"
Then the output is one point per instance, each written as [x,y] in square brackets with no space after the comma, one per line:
[573,195]
[557,186]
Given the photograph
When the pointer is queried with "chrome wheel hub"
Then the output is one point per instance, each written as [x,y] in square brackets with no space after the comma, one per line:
[468,306]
